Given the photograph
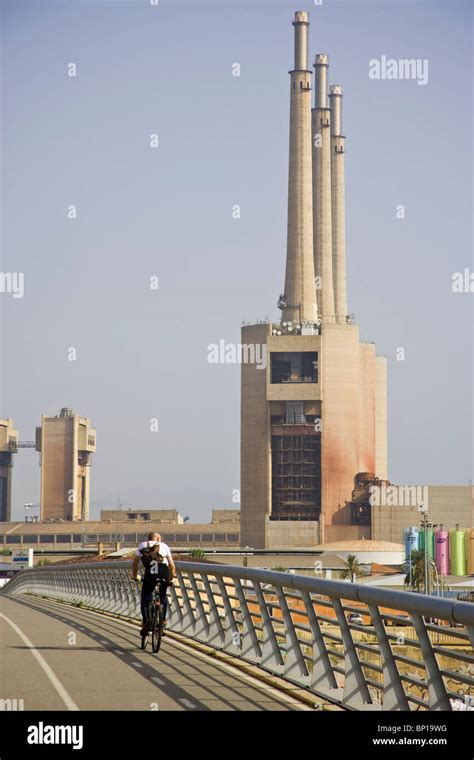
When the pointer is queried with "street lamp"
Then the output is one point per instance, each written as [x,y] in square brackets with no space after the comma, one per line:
[425,523]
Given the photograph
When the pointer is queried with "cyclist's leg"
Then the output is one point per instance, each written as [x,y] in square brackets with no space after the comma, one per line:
[164,577]
[147,591]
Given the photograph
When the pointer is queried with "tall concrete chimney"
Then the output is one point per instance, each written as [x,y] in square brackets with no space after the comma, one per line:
[338,205]
[322,224]
[299,300]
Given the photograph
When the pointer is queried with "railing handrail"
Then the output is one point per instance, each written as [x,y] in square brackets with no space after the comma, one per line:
[453,610]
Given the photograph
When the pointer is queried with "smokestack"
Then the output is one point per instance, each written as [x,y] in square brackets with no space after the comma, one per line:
[338,205]
[322,223]
[298,303]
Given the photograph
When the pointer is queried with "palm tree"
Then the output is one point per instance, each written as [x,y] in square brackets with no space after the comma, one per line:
[352,568]
[197,554]
[415,577]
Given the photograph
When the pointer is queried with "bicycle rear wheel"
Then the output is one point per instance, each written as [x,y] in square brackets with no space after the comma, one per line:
[157,628]
[146,636]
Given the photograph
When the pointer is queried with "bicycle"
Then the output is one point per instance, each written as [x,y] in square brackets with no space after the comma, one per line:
[155,622]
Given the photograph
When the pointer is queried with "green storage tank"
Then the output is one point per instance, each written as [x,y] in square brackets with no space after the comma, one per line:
[457,551]
[429,540]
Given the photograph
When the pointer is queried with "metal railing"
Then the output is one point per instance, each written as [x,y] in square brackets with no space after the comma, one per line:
[305,630]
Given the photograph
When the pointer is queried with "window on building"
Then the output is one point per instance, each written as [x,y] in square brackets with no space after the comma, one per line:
[130,538]
[105,538]
[208,537]
[30,539]
[46,538]
[13,539]
[91,538]
[294,367]
[219,538]
[63,539]
[77,538]
[296,477]
[294,413]
[233,538]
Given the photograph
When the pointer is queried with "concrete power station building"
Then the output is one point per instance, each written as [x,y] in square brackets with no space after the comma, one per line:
[8,446]
[316,416]
[66,443]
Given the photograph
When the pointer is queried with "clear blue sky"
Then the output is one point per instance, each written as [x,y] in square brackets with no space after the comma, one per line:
[167,212]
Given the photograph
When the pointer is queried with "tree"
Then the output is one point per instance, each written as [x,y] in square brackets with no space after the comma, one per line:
[352,568]
[197,554]
[415,578]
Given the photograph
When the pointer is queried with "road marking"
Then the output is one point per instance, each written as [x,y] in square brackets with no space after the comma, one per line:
[137,664]
[187,703]
[117,651]
[158,681]
[68,701]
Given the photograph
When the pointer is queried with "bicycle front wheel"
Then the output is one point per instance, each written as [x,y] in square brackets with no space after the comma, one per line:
[157,628]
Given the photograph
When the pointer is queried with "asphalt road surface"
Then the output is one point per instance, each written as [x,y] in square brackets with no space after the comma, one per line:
[57,657]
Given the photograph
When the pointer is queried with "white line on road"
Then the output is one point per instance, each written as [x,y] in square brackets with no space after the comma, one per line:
[158,681]
[137,664]
[68,701]
[187,703]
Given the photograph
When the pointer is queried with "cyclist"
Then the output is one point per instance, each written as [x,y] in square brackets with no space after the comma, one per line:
[159,566]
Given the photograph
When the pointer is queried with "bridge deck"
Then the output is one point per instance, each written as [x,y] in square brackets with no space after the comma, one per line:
[106,670]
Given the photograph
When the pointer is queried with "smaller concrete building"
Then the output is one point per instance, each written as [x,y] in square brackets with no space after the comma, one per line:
[66,443]
[367,552]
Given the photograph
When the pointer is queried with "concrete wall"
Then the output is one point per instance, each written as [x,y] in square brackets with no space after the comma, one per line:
[297,535]
[367,408]
[449,505]
[255,454]
[340,419]
[381,429]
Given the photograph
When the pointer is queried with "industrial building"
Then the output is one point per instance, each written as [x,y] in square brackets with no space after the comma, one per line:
[125,527]
[8,446]
[447,505]
[65,443]
[317,416]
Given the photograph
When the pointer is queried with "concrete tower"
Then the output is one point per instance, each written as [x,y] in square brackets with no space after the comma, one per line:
[338,205]
[313,421]
[66,443]
[322,226]
[298,302]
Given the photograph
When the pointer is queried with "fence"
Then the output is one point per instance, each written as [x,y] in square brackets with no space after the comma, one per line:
[346,643]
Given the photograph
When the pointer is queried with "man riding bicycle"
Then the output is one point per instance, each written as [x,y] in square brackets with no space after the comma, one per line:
[159,568]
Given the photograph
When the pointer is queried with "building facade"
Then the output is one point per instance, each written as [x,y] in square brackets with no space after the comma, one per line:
[65,443]
[8,446]
[316,415]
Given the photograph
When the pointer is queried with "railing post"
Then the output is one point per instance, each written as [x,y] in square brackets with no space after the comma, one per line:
[295,665]
[188,620]
[394,697]
[271,654]
[231,631]
[439,699]
[201,630]
[250,647]
[216,635]
[356,691]
[322,677]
